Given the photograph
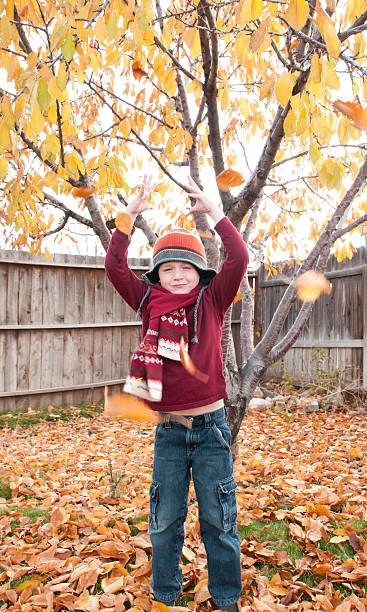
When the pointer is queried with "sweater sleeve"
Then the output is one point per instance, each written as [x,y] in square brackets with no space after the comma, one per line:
[127,284]
[225,284]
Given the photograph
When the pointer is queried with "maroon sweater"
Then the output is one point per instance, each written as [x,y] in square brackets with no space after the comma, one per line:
[181,391]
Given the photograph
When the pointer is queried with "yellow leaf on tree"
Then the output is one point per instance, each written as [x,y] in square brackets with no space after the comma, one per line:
[316,68]
[289,125]
[297,13]
[249,10]
[283,88]
[314,153]
[310,285]
[260,38]
[267,88]
[329,174]
[7,112]
[327,31]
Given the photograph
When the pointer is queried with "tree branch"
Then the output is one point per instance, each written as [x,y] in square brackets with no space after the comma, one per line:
[54,231]
[348,228]
[173,59]
[140,140]
[55,202]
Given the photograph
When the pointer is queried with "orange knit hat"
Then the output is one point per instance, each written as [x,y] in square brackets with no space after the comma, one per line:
[180,245]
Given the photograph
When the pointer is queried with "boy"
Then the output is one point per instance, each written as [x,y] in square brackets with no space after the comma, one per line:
[181,298]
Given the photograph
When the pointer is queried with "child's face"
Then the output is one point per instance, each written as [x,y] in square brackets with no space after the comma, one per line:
[178,276]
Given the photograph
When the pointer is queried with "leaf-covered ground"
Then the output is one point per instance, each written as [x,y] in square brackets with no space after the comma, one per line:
[74,504]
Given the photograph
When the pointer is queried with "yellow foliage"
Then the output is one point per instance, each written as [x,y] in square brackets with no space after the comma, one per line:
[283,88]
[297,13]
[327,31]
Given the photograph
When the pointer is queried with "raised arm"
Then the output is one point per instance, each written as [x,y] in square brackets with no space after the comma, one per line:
[129,286]
[225,284]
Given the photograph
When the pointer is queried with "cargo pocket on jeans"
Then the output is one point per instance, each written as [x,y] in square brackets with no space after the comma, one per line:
[227,497]
[154,499]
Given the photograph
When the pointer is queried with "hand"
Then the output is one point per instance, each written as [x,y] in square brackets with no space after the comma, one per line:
[140,203]
[203,203]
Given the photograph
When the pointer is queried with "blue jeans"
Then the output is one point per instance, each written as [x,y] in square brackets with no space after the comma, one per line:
[205,452]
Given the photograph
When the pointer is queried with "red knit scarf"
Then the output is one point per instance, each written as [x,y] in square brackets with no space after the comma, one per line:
[167,324]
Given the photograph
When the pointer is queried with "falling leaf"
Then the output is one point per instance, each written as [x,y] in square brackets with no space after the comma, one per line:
[137,70]
[353,111]
[207,234]
[229,178]
[83,192]
[188,364]
[124,406]
[238,297]
[124,222]
[310,285]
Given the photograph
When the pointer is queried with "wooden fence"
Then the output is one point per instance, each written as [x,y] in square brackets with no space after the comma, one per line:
[65,333]
[335,337]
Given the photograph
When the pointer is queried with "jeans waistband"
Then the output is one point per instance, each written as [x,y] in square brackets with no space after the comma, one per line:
[191,422]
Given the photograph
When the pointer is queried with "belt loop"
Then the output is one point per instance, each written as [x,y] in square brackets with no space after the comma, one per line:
[167,419]
[208,420]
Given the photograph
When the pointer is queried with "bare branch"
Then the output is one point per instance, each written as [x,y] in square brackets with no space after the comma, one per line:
[173,59]
[70,213]
[54,231]
[348,228]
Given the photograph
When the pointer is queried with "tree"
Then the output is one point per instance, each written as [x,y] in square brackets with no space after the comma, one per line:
[96,88]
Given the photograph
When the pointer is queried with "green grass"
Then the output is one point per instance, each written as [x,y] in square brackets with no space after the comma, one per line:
[132,522]
[32,513]
[276,536]
[5,490]
[274,532]
[24,420]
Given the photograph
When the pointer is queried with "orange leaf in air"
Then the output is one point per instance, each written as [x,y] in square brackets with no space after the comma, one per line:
[189,365]
[124,406]
[228,179]
[124,222]
[138,71]
[238,296]
[310,285]
[83,192]
[353,111]
[205,234]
